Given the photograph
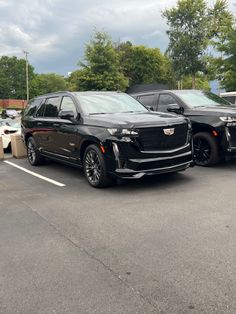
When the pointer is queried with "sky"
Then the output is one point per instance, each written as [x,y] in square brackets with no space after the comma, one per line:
[55,32]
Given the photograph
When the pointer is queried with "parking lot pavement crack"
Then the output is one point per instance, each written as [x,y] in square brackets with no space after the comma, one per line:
[93,257]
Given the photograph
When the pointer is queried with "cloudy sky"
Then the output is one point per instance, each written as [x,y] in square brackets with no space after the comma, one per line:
[55,31]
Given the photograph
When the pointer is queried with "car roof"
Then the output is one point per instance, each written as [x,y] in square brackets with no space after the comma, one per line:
[165,91]
[228,94]
[80,93]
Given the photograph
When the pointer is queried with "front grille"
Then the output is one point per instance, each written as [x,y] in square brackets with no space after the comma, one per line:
[232,132]
[155,139]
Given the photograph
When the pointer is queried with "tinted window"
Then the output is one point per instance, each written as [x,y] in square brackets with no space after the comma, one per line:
[147,100]
[68,105]
[32,106]
[40,110]
[231,99]
[164,101]
[52,107]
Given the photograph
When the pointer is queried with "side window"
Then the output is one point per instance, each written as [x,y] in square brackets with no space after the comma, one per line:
[164,101]
[52,107]
[40,110]
[231,99]
[67,104]
[32,107]
[147,100]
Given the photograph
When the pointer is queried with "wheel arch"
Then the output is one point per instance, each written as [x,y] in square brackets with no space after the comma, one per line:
[85,144]
[27,136]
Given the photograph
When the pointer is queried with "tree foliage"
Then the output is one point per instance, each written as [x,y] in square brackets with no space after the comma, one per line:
[101,68]
[48,83]
[13,78]
[193,27]
[143,65]
[228,80]
[201,81]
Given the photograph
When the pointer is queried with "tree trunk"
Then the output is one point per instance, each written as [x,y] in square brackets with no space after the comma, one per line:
[193,81]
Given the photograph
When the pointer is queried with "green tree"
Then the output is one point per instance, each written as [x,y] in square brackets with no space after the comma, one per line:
[13,78]
[48,83]
[74,80]
[143,65]
[201,81]
[221,24]
[188,34]
[101,68]
[193,27]
[228,80]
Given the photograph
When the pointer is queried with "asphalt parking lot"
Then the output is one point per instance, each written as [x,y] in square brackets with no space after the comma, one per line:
[160,245]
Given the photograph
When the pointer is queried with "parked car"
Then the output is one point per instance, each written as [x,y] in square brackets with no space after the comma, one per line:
[229,96]
[108,134]
[9,113]
[213,120]
[7,128]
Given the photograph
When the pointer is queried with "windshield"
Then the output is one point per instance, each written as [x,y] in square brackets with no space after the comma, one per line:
[201,99]
[109,103]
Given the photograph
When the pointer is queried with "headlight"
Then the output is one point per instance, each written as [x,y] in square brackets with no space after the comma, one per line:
[228,119]
[122,132]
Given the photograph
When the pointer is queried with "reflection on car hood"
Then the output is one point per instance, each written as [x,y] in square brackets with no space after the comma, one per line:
[133,120]
[215,111]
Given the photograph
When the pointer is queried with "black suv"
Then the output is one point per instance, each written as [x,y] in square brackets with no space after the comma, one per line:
[109,134]
[213,120]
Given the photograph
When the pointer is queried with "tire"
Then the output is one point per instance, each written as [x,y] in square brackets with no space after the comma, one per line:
[95,168]
[33,154]
[206,149]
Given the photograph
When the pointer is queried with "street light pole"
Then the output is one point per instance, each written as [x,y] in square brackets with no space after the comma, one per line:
[27,74]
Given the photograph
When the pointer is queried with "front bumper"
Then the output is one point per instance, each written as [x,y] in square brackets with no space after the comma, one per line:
[132,174]
[143,164]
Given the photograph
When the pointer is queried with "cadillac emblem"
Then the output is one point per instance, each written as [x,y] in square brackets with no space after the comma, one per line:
[169,132]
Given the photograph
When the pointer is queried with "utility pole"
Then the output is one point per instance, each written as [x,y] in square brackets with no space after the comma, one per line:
[27,74]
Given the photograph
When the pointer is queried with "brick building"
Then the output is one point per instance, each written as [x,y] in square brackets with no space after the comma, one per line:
[13,103]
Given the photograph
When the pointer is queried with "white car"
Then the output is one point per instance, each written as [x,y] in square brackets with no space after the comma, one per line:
[229,96]
[7,128]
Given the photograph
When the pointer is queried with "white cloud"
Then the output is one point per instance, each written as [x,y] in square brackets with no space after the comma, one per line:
[55,31]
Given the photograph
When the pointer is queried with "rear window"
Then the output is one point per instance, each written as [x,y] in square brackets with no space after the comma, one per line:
[32,107]
[52,107]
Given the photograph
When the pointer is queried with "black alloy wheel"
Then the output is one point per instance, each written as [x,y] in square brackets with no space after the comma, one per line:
[33,153]
[95,168]
[205,149]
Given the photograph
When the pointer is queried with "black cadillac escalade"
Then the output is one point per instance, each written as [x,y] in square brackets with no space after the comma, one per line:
[213,120]
[108,134]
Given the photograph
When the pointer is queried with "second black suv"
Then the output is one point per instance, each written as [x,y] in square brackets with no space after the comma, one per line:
[213,120]
[109,134]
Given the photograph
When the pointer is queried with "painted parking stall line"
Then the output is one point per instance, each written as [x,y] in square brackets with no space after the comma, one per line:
[35,174]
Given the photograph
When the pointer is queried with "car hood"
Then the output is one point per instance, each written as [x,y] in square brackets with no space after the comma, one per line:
[220,111]
[133,120]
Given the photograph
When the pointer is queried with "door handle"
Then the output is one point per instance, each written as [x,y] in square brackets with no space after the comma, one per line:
[56,124]
[39,123]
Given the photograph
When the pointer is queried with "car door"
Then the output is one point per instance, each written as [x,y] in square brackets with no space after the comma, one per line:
[67,136]
[164,100]
[48,123]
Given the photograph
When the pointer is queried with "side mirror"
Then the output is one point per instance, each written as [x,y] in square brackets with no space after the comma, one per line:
[150,108]
[175,108]
[66,114]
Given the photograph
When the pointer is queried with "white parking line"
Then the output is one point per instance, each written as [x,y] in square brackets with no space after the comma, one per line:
[35,174]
